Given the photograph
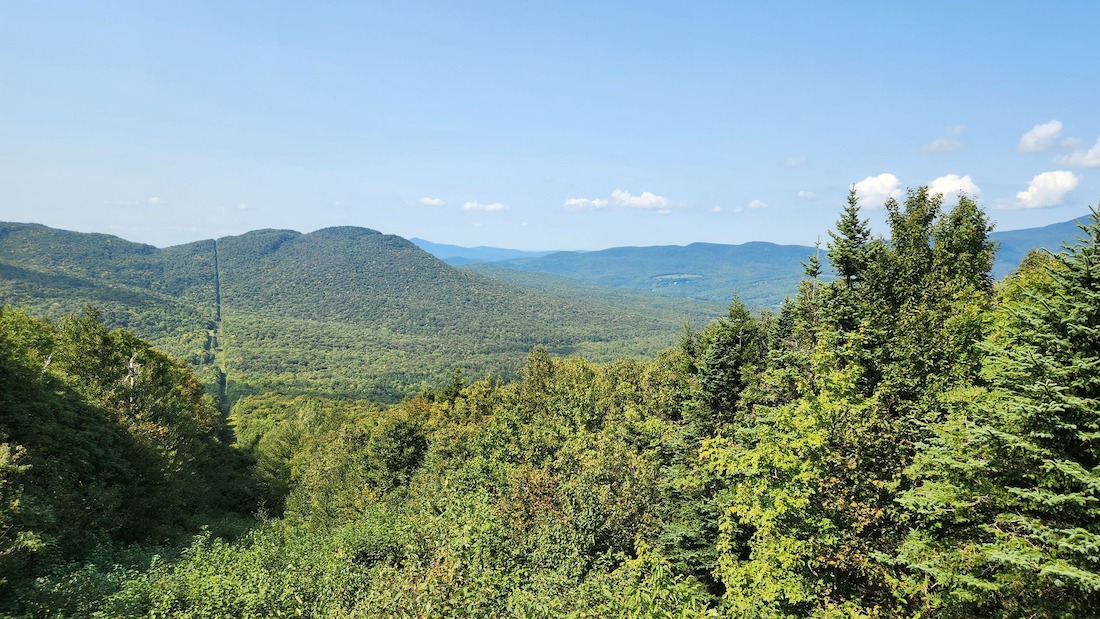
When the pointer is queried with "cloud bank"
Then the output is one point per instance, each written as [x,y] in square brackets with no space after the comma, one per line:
[584,204]
[1044,136]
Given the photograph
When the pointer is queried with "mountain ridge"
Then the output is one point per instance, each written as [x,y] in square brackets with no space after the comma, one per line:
[774,273]
[347,310]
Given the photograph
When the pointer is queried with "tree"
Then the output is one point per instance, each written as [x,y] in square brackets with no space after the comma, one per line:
[835,422]
[736,346]
[1008,499]
[848,249]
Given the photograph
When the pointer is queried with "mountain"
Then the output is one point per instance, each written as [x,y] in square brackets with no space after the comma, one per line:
[762,274]
[457,255]
[1014,244]
[341,311]
[163,294]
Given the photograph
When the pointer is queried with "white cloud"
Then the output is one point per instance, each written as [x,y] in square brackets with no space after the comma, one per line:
[806,195]
[757,204]
[794,162]
[1082,158]
[154,200]
[584,204]
[956,130]
[716,209]
[426,201]
[493,207]
[664,211]
[244,207]
[1045,136]
[646,200]
[942,145]
[1047,189]
[873,190]
[950,185]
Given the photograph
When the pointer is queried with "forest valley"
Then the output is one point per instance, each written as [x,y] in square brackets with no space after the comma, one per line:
[906,439]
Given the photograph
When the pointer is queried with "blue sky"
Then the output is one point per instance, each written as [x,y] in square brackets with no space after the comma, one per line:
[540,125]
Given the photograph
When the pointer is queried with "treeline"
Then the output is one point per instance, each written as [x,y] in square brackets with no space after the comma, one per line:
[905,440]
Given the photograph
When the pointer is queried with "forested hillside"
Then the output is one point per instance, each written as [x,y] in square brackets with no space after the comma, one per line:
[1014,245]
[344,311]
[353,312]
[902,439]
[104,442]
[165,295]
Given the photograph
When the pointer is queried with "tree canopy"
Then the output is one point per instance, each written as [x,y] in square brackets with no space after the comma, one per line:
[907,439]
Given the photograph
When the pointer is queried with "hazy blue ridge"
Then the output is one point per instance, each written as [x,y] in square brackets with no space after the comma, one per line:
[457,255]
[1014,244]
[761,273]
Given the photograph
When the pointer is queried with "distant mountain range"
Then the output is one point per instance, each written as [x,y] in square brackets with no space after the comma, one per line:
[456,255]
[762,274]
[1014,244]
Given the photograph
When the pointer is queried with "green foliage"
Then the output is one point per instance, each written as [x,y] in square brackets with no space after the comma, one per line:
[17,539]
[107,440]
[344,312]
[894,443]
[848,249]
[811,523]
[733,349]
[1009,499]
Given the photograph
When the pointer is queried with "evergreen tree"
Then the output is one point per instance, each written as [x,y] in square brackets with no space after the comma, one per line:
[848,249]
[737,345]
[1009,499]
[816,478]
[812,268]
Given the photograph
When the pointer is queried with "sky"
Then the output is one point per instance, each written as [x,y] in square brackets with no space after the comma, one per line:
[541,125]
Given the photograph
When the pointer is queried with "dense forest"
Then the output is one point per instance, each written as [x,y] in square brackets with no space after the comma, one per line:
[903,438]
[338,312]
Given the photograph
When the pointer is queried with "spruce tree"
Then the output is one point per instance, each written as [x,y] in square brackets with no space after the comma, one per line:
[817,476]
[848,249]
[1008,504]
